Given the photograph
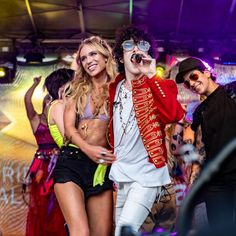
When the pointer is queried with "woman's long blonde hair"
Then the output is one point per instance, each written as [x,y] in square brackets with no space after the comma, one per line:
[81,85]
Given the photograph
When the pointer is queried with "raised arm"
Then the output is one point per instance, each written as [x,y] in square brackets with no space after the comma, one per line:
[32,115]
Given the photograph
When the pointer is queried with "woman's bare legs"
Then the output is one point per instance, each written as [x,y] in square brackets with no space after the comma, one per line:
[71,200]
[100,214]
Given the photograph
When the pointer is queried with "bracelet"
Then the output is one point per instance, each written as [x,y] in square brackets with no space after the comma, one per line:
[181,124]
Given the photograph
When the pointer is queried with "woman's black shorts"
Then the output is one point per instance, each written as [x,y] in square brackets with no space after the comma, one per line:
[74,165]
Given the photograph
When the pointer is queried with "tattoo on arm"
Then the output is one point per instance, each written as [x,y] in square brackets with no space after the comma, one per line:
[173,147]
[188,141]
[178,137]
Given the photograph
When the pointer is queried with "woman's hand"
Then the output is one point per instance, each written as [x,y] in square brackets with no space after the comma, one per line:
[37,80]
[99,154]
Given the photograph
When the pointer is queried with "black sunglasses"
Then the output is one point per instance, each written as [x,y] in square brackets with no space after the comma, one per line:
[192,77]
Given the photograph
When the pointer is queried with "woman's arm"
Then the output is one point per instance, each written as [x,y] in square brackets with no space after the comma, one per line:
[30,111]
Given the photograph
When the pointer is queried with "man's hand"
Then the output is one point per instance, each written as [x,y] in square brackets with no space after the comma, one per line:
[147,66]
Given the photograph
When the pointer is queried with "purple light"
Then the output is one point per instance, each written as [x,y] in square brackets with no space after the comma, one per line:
[173,234]
[159,230]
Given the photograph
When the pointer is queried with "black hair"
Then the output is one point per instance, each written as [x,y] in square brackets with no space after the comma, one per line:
[213,77]
[137,33]
[56,80]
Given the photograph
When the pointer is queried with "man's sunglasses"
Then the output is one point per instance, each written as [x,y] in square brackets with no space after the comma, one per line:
[142,45]
[192,77]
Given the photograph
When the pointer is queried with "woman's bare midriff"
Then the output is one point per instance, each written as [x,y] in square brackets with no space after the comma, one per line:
[94,131]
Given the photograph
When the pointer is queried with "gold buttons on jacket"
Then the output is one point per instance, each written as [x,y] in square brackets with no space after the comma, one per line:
[161,91]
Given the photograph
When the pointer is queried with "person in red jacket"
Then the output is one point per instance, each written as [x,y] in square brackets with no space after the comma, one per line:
[141,104]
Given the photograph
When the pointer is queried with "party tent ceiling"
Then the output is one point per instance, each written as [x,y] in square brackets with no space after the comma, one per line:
[177,25]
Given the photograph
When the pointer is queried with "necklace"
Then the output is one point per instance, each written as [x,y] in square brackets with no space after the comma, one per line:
[95,105]
[127,85]
[124,124]
[97,102]
[124,96]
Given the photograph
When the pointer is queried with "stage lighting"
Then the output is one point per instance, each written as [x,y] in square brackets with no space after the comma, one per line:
[7,62]
[160,71]
[6,75]
[34,57]
[2,72]
[7,69]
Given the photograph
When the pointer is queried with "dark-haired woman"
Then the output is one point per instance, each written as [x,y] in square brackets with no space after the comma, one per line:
[44,215]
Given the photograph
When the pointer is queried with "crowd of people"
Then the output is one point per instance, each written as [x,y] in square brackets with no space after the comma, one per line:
[102,153]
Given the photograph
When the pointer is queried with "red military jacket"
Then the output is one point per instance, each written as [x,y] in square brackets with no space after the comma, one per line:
[155,105]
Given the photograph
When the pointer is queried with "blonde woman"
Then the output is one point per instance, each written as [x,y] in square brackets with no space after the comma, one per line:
[87,207]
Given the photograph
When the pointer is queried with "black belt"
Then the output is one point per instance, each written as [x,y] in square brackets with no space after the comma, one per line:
[70,151]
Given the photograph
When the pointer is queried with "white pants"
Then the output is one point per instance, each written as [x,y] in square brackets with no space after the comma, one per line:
[133,204]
